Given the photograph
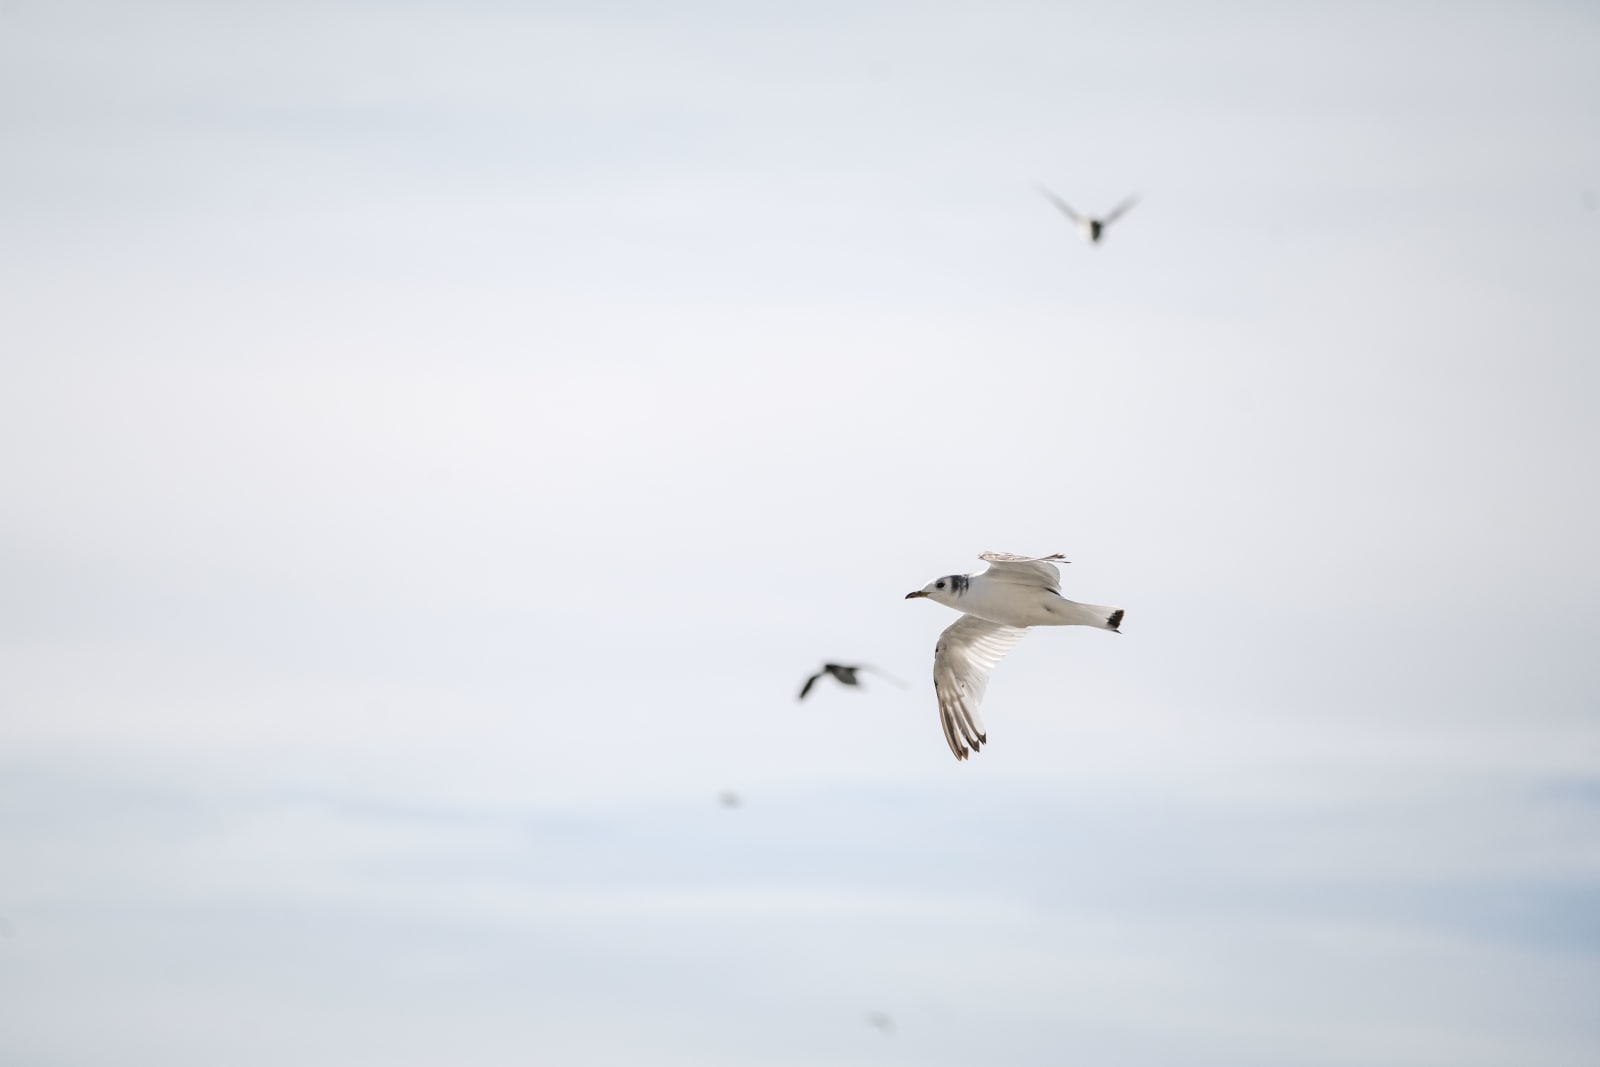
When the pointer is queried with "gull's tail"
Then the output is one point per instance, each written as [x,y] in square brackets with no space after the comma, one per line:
[1096,615]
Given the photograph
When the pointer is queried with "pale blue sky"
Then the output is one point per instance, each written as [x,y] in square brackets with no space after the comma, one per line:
[436,441]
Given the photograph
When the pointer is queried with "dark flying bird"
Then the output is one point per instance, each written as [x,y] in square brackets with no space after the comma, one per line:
[845,673]
[1090,227]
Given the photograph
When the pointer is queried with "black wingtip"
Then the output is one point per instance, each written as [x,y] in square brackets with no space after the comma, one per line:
[1115,620]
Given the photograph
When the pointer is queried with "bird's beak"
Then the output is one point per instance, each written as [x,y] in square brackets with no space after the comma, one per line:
[913,596]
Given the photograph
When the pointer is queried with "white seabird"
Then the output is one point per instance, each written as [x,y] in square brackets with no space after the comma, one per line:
[998,606]
[1092,228]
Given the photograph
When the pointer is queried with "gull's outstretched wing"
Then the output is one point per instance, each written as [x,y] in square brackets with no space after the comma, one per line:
[1119,211]
[1035,572]
[967,651]
[1061,205]
[811,681]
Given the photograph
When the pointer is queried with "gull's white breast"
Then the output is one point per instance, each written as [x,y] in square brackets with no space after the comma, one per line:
[1010,604]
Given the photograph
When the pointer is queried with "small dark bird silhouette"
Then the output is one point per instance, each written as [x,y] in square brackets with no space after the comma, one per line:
[845,673]
[1091,228]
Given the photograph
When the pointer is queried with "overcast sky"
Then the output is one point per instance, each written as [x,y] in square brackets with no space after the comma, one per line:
[436,441]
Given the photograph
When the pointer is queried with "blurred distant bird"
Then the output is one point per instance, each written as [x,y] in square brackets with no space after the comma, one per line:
[880,1021]
[1091,228]
[728,798]
[845,673]
[1016,592]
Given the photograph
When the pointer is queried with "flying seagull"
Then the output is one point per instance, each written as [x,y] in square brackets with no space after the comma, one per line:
[1090,227]
[845,673]
[999,605]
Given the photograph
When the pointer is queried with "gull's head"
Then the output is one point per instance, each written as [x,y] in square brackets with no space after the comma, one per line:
[942,590]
